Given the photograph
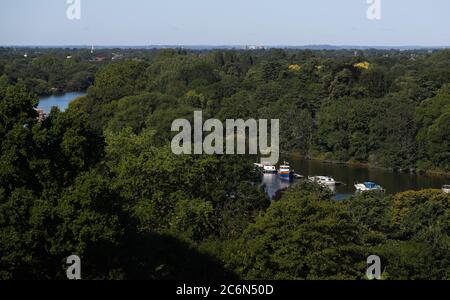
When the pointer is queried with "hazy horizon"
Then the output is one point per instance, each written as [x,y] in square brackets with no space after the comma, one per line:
[242,46]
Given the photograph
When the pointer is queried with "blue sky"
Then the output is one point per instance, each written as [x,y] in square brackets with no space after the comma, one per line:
[226,22]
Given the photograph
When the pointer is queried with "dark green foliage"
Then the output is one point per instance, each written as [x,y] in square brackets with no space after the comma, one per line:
[372,109]
[116,81]
[49,71]
[300,236]
[409,231]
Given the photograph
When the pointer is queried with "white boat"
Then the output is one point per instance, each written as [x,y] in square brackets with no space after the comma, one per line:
[297,176]
[446,189]
[323,180]
[269,169]
[368,186]
[266,167]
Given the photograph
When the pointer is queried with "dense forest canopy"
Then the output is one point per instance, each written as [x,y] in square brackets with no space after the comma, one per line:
[385,108]
[100,180]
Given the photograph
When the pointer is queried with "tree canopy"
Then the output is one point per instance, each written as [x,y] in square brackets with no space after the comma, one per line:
[99,180]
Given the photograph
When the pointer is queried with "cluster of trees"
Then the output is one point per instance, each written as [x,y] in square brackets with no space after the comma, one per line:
[99,180]
[48,71]
[129,208]
[385,108]
[306,235]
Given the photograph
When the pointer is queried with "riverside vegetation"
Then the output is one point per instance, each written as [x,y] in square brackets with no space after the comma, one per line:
[99,180]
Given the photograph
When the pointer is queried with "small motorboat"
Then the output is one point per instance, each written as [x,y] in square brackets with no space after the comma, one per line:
[266,167]
[368,187]
[285,171]
[298,176]
[323,180]
[269,168]
[446,189]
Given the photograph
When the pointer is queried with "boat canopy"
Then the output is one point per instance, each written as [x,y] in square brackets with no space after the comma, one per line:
[370,185]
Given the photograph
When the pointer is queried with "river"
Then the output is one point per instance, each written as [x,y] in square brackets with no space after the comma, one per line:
[392,182]
[61,101]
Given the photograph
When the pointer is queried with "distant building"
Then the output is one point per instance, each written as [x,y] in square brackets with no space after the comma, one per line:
[98,58]
[116,56]
[253,47]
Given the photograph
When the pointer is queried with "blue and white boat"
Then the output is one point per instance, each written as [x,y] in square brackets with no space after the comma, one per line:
[368,186]
[285,171]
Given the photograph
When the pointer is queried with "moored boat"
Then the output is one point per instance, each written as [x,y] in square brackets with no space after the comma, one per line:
[285,171]
[323,180]
[298,176]
[368,186]
[446,189]
[258,165]
[269,169]
[266,167]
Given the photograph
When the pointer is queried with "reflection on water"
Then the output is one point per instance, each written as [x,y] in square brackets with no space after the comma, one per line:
[348,175]
[273,183]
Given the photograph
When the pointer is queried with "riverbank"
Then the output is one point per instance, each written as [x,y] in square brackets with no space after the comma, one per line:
[430,173]
[350,173]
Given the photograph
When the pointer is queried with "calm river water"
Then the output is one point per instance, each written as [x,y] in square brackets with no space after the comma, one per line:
[348,175]
[60,101]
